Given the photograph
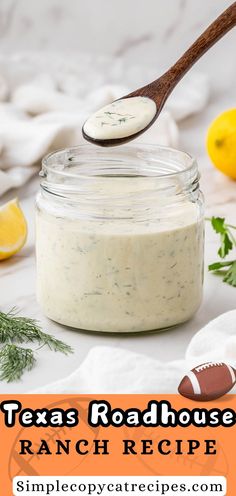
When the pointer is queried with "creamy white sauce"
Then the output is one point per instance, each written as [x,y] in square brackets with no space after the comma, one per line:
[120,275]
[121,118]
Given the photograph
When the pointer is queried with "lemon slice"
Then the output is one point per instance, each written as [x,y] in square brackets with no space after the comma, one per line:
[13,229]
[221,142]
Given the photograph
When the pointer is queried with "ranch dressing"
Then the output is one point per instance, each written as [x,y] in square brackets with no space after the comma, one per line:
[126,274]
[121,118]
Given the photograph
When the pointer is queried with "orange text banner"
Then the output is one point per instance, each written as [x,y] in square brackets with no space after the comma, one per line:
[125,450]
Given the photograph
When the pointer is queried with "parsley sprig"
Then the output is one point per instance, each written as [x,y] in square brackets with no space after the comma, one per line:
[226,268]
[15,330]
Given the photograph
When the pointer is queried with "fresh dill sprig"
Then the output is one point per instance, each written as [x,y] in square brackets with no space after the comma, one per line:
[14,360]
[227,269]
[15,329]
[55,344]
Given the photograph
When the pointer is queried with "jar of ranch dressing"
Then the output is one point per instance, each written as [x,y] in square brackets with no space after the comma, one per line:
[119,238]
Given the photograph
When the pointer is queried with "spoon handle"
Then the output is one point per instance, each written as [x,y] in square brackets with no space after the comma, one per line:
[218,28]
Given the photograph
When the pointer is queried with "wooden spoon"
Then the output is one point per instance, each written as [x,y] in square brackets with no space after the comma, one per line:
[131,115]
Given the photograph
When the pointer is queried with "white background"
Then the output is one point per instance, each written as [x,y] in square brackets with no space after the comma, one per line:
[140,31]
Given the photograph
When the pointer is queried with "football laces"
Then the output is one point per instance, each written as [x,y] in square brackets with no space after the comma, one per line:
[208,365]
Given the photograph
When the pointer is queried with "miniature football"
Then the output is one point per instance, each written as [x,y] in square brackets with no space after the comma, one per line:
[208,381]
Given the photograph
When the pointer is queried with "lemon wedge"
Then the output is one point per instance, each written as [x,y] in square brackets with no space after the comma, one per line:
[221,142]
[13,229]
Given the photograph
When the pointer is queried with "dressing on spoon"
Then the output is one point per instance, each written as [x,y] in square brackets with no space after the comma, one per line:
[121,118]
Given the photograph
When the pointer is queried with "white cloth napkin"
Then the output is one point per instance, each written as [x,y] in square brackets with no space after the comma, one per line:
[42,113]
[108,370]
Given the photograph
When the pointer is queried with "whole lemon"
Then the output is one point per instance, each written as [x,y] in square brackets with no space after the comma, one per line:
[221,142]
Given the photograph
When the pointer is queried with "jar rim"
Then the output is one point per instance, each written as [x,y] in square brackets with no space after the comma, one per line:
[183,161]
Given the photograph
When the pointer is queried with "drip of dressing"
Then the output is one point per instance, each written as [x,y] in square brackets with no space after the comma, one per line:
[121,118]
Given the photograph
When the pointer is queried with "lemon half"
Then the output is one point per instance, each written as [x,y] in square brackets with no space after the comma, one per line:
[13,229]
[221,142]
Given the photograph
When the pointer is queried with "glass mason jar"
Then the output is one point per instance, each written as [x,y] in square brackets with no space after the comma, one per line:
[119,238]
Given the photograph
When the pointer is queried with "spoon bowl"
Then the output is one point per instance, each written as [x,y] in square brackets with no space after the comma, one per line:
[125,117]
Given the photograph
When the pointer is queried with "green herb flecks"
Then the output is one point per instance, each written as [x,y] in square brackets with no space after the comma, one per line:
[227,269]
[125,119]
[110,114]
[122,118]
[14,360]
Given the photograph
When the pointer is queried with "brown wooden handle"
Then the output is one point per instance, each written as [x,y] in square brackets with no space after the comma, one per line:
[223,23]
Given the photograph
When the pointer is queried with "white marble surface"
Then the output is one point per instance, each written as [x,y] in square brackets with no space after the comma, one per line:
[17,281]
[136,30]
[152,33]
